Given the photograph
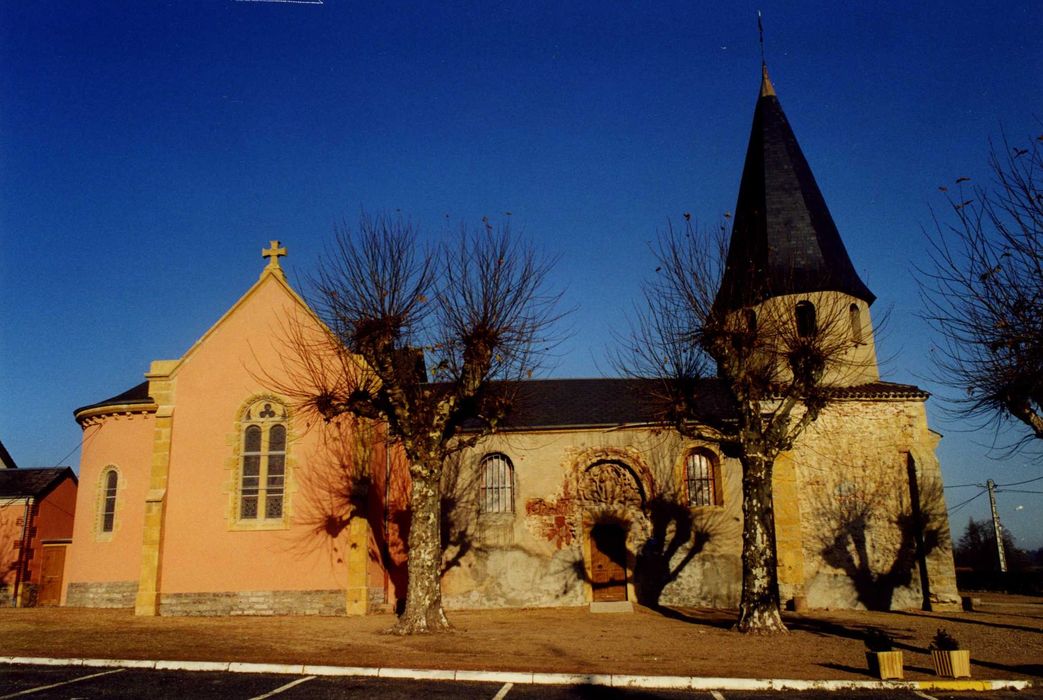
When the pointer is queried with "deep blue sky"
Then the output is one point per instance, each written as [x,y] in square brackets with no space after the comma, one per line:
[149,150]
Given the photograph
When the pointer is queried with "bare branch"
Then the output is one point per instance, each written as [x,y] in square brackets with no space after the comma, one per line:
[474,314]
[983,292]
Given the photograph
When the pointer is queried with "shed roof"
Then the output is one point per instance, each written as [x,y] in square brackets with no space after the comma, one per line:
[22,483]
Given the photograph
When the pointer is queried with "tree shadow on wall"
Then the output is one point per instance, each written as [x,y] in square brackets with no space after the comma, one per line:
[879,530]
[657,563]
[673,529]
[352,474]
[355,473]
[459,510]
[678,532]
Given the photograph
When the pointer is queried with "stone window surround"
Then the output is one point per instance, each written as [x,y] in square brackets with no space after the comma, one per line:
[236,464]
[714,476]
[504,508]
[100,533]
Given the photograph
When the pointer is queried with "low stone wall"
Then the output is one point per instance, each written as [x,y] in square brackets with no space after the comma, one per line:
[323,602]
[108,594]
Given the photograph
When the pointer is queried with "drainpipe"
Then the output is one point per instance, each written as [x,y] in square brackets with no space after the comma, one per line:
[21,552]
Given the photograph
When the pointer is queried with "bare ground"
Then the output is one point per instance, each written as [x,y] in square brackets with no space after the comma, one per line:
[1005,637]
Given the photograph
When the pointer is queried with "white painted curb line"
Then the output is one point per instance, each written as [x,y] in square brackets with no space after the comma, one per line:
[613,680]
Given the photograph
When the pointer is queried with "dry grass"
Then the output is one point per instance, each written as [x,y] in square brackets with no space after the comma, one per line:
[1005,639]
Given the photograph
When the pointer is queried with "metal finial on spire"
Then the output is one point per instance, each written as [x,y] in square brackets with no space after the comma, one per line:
[767,89]
[760,31]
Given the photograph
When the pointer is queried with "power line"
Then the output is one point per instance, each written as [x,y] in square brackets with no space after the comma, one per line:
[1019,483]
[1018,491]
[961,486]
[961,505]
[82,443]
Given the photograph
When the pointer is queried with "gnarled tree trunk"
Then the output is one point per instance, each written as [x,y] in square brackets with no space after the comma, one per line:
[759,606]
[424,611]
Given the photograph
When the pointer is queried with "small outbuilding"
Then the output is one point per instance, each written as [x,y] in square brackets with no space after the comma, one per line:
[36,516]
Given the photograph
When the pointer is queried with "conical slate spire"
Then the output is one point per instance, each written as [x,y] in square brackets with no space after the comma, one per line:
[783,240]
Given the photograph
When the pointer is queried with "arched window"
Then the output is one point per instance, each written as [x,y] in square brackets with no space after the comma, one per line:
[703,478]
[262,478]
[107,500]
[855,314]
[807,325]
[496,485]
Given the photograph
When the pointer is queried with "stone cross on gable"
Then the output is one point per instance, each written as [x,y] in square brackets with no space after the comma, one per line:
[273,254]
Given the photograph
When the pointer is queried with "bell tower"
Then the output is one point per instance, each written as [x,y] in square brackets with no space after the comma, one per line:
[786,260]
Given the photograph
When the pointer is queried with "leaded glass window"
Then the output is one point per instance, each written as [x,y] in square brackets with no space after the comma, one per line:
[496,489]
[262,480]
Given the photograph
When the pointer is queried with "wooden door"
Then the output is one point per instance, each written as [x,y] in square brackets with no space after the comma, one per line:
[608,551]
[52,568]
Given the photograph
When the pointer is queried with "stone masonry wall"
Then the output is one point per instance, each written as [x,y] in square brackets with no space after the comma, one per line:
[865,538]
[539,555]
[328,602]
[111,594]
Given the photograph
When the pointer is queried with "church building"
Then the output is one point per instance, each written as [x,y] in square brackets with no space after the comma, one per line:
[203,490]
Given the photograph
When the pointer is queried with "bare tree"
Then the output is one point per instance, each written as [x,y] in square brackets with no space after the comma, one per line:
[772,366]
[474,316]
[983,291]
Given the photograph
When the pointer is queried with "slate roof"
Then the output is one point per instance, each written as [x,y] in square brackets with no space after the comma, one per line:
[783,238]
[136,394]
[559,404]
[578,403]
[20,483]
[602,403]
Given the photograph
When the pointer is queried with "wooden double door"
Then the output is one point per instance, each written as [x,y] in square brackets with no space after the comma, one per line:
[608,562]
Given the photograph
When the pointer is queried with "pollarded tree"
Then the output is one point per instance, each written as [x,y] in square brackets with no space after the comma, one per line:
[777,314]
[983,291]
[772,362]
[474,315]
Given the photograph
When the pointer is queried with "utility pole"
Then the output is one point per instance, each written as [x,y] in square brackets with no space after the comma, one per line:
[991,485]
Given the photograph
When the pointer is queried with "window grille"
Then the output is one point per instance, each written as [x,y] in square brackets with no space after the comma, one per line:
[702,478]
[496,491]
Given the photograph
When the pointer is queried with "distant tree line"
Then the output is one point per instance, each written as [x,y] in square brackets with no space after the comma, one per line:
[977,561]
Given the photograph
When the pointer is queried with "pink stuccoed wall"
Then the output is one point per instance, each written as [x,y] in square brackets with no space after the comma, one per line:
[123,441]
[243,357]
[202,552]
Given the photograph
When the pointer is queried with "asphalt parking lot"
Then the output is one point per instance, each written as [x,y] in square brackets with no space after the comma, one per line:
[22,681]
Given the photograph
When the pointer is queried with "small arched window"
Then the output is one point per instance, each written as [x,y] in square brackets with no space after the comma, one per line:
[107,500]
[703,479]
[496,485]
[262,478]
[807,325]
[855,315]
